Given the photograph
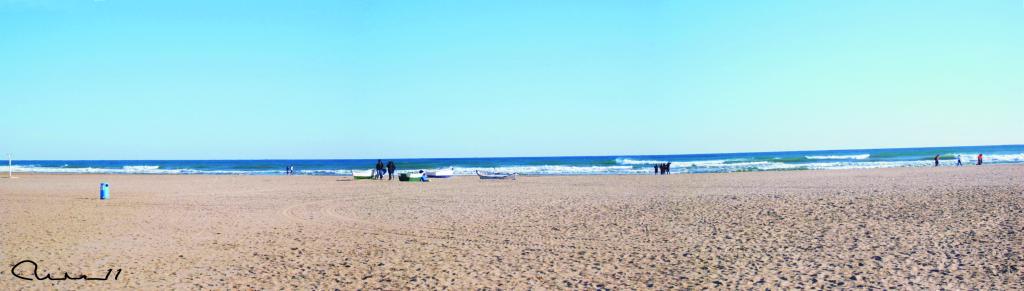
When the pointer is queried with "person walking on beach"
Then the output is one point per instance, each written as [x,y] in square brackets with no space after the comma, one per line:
[391,169]
[379,175]
[979,159]
[936,160]
[958,163]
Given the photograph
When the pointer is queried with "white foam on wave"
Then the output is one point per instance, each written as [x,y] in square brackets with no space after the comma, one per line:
[1007,158]
[140,168]
[864,165]
[722,166]
[840,157]
[732,166]
[340,172]
[707,163]
[995,158]
[127,170]
[552,170]
[725,165]
[627,161]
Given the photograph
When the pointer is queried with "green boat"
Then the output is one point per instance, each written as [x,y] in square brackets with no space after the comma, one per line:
[410,177]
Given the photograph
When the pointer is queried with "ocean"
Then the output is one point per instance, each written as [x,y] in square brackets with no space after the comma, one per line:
[575,165]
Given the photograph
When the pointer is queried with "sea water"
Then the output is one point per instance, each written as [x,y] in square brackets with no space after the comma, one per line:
[576,165]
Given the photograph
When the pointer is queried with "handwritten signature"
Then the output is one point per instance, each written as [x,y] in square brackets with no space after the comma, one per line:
[35,273]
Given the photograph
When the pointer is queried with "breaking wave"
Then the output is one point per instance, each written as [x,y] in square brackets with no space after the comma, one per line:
[625,161]
[840,157]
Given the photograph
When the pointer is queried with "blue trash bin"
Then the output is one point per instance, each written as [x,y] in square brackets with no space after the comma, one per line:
[104,191]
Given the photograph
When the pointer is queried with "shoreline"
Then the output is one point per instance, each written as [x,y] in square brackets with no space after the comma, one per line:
[965,166]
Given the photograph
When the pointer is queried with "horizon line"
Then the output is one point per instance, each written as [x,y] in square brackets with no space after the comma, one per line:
[528,156]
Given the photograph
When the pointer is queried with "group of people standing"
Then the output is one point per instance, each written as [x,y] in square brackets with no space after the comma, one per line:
[662,169]
[958,161]
[382,168]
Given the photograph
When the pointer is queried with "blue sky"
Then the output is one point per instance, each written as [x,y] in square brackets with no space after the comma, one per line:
[363,79]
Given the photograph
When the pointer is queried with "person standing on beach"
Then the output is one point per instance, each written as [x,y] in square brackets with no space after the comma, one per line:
[379,175]
[668,168]
[391,169]
[656,170]
[958,163]
[979,159]
[936,160]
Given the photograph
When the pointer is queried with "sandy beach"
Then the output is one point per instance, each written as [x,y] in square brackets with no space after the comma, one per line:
[905,228]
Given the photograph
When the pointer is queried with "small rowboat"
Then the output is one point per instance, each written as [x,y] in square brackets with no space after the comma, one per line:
[410,177]
[441,173]
[359,175]
[496,176]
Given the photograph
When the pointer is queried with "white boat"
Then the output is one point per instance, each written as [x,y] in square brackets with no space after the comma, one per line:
[362,174]
[496,176]
[441,173]
[410,177]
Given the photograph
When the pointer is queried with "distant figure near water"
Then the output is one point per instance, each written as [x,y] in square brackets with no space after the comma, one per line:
[936,160]
[979,159]
[662,169]
[379,174]
[958,162]
[391,169]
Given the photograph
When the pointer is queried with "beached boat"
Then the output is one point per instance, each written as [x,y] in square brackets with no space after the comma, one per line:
[410,177]
[496,176]
[441,173]
[364,174]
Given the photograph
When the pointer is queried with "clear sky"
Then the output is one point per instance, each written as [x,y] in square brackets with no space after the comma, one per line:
[122,79]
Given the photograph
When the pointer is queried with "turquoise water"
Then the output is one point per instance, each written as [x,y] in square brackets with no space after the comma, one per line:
[589,165]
